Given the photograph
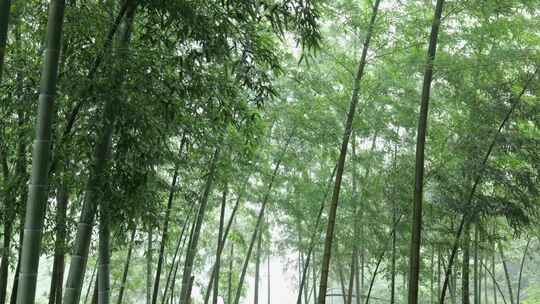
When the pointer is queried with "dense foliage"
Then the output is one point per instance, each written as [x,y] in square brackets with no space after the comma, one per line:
[168,150]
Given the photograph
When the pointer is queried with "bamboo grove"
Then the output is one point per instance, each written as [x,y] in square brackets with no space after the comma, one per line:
[270,151]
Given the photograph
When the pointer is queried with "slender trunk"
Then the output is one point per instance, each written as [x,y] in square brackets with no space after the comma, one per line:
[173,284]
[521,270]
[259,221]
[15,288]
[496,285]
[57,277]
[323,284]
[358,291]
[164,235]
[351,280]
[416,227]
[354,256]
[21,165]
[379,260]
[465,270]
[257,268]
[453,287]
[480,276]
[5,6]
[476,277]
[126,267]
[439,271]
[189,288]
[104,269]
[314,278]
[362,267]
[485,280]
[374,276]
[268,278]
[313,238]
[229,279]
[506,274]
[4,265]
[95,295]
[90,283]
[39,183]
[342,282]
[12,189]
[149,264]
[514,100]
[185,294]
[176,258]
[306,290]
[102,150]
[220,249]
[494,282]
[219,246]
[393,263]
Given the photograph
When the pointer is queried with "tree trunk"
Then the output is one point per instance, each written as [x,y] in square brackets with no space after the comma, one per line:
[476,277]
[356,281]
[379,260]
[14,187]
[480,276]
[104,269]
[306,290]
[351,280]
[229,279]
[126,267]
[416,227]
[90,283]
[258,224]
[485,261]
[39,183]
[453,288]
[57,278]
[312,241]
[393,263]
[164,235]
[220,249]
[465,270]
[314,282]
[342,282]
[15,288]
[95,295]
[257,268]
[5,6]
[521,270]
[494,282]
[189,288]
[4,265]
[514,101]
[506,275]
[268,278]
[323,284]
[185,294]
[438,271]
[149,264]
[173,284]
[82,242]
[374,276]
[219,246]
[496,285]
[176,257]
